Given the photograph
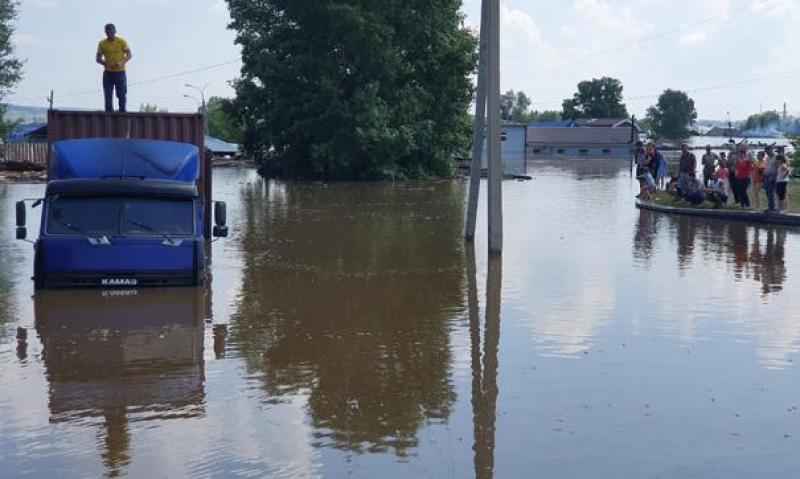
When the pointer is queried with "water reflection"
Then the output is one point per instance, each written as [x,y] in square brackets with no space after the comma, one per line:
[347,295]
[122,356]
[756,253]
[484,373]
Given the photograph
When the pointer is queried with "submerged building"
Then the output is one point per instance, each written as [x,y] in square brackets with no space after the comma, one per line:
[580,142]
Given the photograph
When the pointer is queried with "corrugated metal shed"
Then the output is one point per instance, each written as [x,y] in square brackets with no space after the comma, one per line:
[552,124]
[579,136]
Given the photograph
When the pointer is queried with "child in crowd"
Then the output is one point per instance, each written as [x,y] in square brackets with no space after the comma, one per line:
[716,192]
[648,185]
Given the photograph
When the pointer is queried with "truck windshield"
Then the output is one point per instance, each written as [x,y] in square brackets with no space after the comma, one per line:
[121,216]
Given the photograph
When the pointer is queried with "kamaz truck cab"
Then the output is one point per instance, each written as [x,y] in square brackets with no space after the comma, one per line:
[121,213]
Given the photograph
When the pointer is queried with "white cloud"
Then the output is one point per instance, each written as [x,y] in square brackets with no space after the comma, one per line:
[521,33]
[693,38]
[43,3]
[218,6]
[27,39]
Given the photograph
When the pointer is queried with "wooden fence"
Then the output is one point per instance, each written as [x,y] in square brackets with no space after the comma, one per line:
[24,154]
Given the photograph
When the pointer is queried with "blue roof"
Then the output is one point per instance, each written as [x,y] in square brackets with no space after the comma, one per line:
[22,131]
[216,145]
[116,158]
[552,124]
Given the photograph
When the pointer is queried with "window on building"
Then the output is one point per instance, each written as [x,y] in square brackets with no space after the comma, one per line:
[503,136]
[606,151]
[537,151]
[560,151]
[583,152]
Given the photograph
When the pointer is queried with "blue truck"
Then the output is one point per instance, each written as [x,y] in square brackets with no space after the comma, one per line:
[121,212]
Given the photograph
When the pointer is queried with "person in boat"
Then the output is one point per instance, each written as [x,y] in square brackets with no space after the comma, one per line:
[661,171]
[733,159]
[640,157]
[755,178]
[722,172]
[744,168]
[687,167]
[769,179]
[655,160]
[649,185]
[709,161]
[782,183]
[716,192]
[693,192]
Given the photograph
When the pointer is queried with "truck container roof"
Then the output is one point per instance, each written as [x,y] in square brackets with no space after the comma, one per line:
[124,158]
[122,187]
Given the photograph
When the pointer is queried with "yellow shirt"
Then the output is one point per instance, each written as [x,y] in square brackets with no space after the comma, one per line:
[113,52]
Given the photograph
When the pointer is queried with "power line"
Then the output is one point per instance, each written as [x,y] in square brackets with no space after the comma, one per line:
[142,82]
[650,38]
[720,86]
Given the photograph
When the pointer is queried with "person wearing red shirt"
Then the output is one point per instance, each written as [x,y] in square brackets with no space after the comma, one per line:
[744,167]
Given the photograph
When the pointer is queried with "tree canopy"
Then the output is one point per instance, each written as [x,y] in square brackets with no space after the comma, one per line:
[672,115]
[597,98]
[10,65]
[354,89]
[764,120]
[516,107]
[223,120]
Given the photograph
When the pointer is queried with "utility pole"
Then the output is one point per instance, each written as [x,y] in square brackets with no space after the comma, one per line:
[493,113]
[488,79]
[50,100]
[480,125]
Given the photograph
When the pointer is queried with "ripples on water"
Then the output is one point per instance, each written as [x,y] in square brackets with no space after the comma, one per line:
[350,332]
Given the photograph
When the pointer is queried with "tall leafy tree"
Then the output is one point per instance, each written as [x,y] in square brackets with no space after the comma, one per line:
[10,65]
[354,89]
[672,115]
[763,120]
[596,98]
[223,120]
[516,107]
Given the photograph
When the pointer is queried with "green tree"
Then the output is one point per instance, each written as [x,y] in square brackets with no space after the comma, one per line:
[151,108]
[10,65]
[545,115]
[598,98]
[223,120]
[763,120]
[354,89]
[515,106]
[672,115]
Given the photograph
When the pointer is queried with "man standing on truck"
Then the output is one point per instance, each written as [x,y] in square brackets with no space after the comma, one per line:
[113,53]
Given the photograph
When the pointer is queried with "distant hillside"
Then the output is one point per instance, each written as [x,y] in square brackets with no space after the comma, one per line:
[27,114]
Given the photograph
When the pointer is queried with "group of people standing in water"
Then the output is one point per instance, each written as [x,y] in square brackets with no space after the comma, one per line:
[736,174]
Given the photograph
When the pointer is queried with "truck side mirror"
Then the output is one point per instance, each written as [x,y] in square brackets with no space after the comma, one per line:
[22,231]
[20,214]
[220,232]
[220,213]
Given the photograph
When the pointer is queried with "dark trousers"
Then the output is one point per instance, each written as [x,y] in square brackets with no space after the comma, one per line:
[115,81]
[707,176]
[743,184]
[734,187]
[769,189]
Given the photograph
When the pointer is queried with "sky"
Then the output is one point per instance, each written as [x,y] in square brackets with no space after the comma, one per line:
[736,56]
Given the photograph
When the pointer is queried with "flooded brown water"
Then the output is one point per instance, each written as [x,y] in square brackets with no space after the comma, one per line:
[350,333]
